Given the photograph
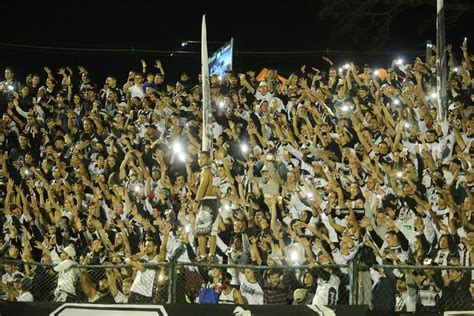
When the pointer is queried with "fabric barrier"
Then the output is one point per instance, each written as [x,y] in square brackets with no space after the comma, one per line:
[47,309]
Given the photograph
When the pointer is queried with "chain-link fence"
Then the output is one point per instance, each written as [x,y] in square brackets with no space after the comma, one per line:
[385,288]
[262,284]
[426,288]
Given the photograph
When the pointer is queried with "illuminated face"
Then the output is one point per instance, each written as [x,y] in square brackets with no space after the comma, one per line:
[8,74]
[87,126]
[274,279]
[127,285]
[150,248]
[391,240]
[263,89]
[158,79]
[249,274]
[203,159]
[308,280]
[23,141]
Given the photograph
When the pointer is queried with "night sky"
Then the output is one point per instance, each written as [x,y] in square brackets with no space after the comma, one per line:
[160,25]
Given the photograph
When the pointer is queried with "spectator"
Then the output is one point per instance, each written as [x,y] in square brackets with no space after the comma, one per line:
[323,168]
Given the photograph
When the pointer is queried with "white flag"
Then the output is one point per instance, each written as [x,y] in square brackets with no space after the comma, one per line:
[206,93]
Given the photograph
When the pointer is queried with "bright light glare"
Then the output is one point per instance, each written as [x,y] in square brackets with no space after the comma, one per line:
[399,174]
[182,157]
[221,104]
[137,188]
[345,108]
[396,102]
[433,95]
[161,278]
[184,44]
[340,69]
[376,72]
[187,228]
[456,69]
[407,125]
[177,148]
[399,61]
[294,256]
[309,195]
[346,66]
[244,148]
[227,207]
[10,88]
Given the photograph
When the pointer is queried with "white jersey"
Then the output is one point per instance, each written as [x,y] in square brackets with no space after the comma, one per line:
[67,276]
[145,280]
[327,292]
[252,292]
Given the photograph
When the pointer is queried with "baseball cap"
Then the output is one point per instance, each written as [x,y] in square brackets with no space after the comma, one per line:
[263,83]
[299,295]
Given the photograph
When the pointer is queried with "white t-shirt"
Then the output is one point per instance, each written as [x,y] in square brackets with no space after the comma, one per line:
[25,297]
[253,292]
[136,91]
[120,298]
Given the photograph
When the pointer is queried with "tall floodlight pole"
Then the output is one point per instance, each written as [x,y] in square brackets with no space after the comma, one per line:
[206,93]
[441,61]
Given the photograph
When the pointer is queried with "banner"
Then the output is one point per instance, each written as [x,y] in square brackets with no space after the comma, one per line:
[69,309]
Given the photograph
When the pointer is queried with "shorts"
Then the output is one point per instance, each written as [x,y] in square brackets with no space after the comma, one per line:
[207,219]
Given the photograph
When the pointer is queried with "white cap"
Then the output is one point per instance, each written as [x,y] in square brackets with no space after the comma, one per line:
[70,251]
[453,106]
[263,83]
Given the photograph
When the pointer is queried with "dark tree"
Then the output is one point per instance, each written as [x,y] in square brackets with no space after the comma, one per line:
[360,20]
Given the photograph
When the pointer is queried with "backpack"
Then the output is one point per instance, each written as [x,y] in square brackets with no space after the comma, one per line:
[208,296]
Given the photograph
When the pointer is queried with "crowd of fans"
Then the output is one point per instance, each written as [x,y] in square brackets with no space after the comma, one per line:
[315,169]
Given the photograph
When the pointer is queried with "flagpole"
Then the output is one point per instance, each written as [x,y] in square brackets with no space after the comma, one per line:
[441,62]
[206,95]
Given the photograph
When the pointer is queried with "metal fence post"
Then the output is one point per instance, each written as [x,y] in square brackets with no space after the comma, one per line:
[171,281]
[353,280]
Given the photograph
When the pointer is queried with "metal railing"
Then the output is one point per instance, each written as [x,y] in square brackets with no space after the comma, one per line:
[425,288]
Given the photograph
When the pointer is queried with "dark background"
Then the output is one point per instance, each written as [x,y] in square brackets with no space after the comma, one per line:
[256,26]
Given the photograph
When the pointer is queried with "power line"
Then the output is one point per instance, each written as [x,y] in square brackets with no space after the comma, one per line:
[133,50]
